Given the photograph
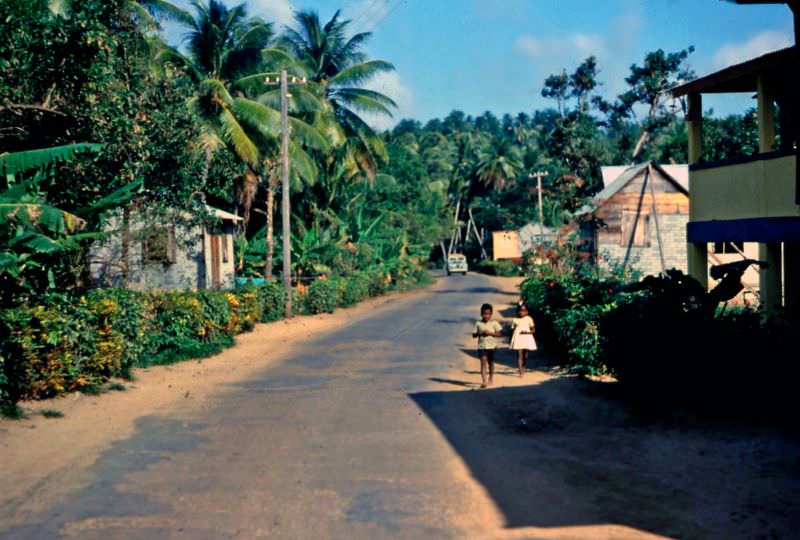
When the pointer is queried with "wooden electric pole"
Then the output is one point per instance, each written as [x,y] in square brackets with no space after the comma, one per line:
[285,206]
[538,175]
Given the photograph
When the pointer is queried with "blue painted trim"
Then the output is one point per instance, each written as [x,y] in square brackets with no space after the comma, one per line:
[741,159]
[776,229]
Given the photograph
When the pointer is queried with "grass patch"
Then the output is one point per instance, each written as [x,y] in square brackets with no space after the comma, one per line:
[11,410]
[91,390]
[51,413]
[126,372]
[190,351]
[117,387]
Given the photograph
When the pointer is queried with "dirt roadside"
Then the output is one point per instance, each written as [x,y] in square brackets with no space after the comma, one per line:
[556,456]
[37,453]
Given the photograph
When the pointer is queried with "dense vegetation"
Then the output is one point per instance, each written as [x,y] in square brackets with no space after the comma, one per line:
[484,163]
[100,116]
[663,337]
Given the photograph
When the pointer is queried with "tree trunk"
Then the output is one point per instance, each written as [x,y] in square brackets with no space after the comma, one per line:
[126,242]
[270,240]
[209,156]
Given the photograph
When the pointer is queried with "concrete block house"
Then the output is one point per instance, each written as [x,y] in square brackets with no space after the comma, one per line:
[171,250]
[639,218]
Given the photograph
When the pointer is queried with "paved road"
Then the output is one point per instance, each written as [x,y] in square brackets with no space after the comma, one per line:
[373,432]
[328,444]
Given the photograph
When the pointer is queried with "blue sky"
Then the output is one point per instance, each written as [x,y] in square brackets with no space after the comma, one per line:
[478,55]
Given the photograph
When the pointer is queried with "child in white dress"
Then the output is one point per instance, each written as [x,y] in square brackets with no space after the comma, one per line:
[522,340]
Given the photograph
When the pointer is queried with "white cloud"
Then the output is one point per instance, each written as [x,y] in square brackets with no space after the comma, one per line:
[562,49]
[614,51]
[278,12]
[734,53]
[390,84]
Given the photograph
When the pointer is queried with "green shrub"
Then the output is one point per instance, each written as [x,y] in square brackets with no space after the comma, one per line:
[3,380]
[272,299]
[378,281]
[568,307]
[51,348]
[62,343]
[354,288]
[321,296]
[500,268]
[190,324]
[647,332]
[129,320]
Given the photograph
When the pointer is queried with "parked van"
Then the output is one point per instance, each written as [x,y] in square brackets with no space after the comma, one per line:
[457,262]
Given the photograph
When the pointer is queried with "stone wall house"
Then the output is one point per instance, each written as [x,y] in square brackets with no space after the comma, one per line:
[166,250]
[639,218]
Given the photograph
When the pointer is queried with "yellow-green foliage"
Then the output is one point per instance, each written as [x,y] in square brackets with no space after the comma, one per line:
[109,343]
[64,343]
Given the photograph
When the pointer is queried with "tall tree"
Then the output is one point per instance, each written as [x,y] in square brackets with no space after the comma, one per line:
[341,71]
[583,82]
[229,59]
[499,165]
[557,87]
[647,84]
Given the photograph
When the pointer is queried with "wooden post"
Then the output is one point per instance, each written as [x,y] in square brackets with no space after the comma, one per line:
[285,208]
[538,175]
[791,277]
[697,254]
[766,117]
[694,125]
[655,221]
[453,237]
[769,279]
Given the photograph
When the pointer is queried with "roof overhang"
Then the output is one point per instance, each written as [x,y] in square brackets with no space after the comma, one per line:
[222,214]
[743,77]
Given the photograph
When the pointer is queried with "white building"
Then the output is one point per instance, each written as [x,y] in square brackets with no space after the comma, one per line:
[166,250]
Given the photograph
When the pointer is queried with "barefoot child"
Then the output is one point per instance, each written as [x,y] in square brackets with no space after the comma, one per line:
[487,330]
[522,340]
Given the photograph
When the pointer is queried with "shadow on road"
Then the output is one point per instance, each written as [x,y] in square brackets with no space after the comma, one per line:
[477,290]
[465,384]
[573,452]
[508,358]
[154,440]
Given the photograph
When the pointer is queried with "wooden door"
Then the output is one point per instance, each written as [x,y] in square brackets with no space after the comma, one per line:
[216,261]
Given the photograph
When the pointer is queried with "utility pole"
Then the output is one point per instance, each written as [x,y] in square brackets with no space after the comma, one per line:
[538,175]
[285,206]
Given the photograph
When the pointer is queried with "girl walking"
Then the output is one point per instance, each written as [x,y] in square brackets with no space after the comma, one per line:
[522,340]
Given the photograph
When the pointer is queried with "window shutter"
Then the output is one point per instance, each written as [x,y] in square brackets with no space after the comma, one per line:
[641,234]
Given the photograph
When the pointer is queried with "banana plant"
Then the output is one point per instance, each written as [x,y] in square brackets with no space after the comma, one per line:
[33,232]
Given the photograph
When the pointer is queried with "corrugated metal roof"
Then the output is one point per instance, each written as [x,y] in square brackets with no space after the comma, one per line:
[676,173]
[620,182]
[222,214]
[612,172]
[741,77]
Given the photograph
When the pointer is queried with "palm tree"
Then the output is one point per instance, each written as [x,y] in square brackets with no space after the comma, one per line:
[340,69]
[228,59]
[500,165]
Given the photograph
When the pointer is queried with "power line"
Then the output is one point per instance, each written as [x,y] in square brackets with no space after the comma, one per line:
[367,10]
[397,5]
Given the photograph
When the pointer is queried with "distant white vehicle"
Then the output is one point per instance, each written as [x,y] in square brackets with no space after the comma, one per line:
[457,262]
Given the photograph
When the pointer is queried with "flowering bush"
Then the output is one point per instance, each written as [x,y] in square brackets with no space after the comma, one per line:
[567,308]
[62,343]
